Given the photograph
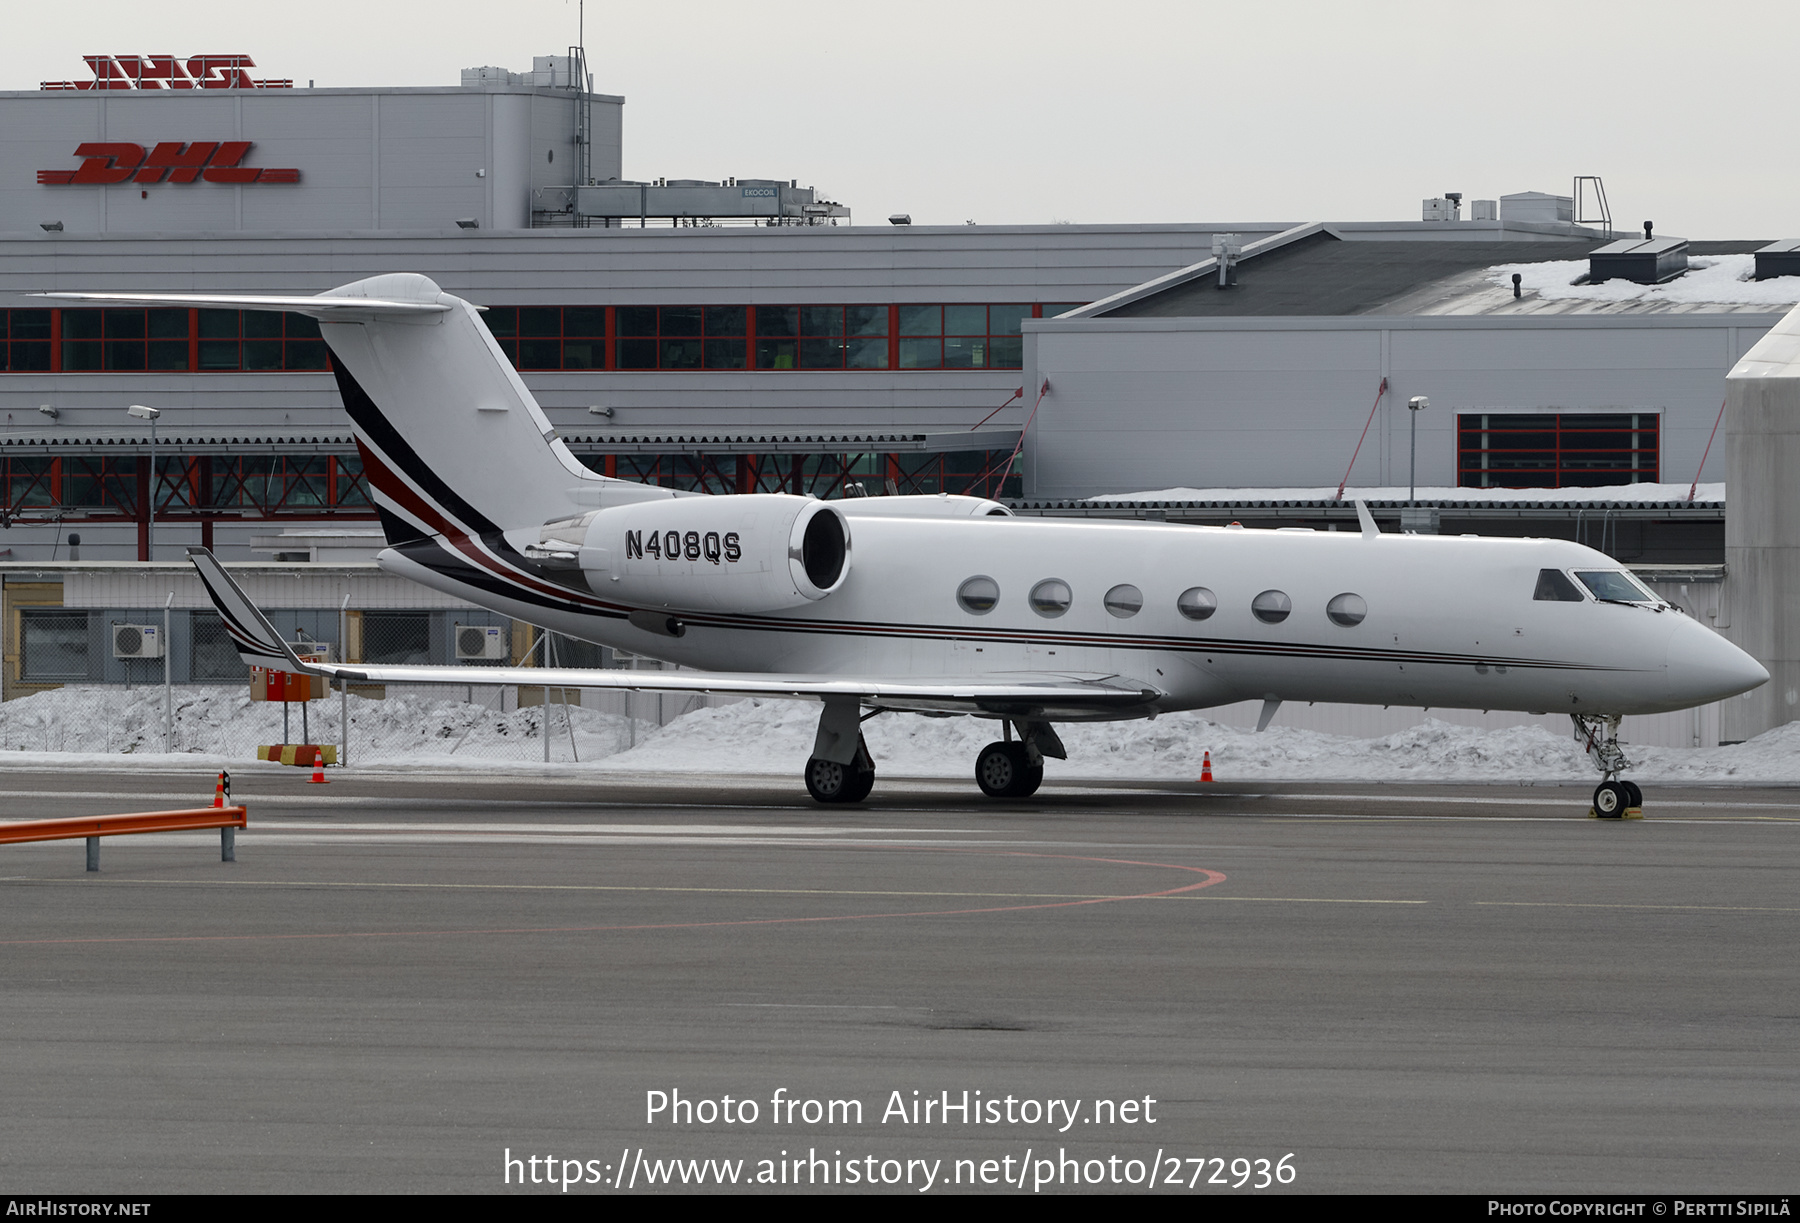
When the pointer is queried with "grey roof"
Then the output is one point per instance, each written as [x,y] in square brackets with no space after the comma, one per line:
[1320,274]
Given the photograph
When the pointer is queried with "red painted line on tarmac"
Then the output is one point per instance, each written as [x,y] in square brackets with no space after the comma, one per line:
[1212,877]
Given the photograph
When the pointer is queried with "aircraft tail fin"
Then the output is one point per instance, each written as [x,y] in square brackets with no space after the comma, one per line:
[452,441]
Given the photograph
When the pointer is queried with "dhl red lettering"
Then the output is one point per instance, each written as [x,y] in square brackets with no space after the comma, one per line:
[107,163]
[184,165]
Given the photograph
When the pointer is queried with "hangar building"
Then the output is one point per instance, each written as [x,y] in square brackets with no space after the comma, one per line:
[743,333]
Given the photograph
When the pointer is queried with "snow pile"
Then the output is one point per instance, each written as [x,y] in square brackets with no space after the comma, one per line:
[1428,496]
[1710,279]
[221,726]
[220,722]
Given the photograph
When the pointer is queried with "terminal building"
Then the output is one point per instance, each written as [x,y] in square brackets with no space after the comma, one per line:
[745,333]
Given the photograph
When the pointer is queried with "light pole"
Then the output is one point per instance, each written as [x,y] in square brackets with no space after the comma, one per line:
[1415,405]
[150,414]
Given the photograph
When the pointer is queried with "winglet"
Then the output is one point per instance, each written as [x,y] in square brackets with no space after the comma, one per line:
[256,639]
[1369,529]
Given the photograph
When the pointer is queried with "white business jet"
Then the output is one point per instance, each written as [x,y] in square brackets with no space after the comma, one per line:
[947,605]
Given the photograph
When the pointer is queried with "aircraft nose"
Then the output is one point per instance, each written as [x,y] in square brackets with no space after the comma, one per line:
[1703,666]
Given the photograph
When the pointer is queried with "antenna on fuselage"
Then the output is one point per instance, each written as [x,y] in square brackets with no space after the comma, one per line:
[1369,529]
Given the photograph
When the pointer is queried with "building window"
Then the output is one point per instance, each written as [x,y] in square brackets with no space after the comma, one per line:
[55,645]
[258,341]
[27,341]
[131,340]
[396,638]
[912,336]
[1557,450]
[962,336]
[821,337]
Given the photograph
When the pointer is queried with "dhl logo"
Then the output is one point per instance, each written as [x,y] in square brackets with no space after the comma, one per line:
[213,161]
[168,72]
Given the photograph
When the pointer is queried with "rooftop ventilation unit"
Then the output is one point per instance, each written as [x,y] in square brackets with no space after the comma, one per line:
[137,641]
[1537,208]
[1776,259]
[1645,261]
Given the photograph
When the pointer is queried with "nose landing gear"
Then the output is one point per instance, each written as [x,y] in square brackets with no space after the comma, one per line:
[1614,798]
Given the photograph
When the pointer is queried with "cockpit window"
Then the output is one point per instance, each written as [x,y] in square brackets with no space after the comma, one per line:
[1554,586]
[1615,584]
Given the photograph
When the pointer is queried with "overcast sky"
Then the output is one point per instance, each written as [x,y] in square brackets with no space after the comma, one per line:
[1100,111]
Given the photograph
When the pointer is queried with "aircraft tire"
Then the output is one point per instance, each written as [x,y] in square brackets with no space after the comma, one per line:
[830,782]
[1610,800]
[1002,772]
[861,782]
[1030,781]
[1632,793]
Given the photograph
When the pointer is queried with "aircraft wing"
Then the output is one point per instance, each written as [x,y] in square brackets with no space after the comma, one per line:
[1064,695]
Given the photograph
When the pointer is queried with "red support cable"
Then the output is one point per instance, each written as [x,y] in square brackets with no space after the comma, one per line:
[1709,441]
[1020,444]
[1018,394]
[1382,390]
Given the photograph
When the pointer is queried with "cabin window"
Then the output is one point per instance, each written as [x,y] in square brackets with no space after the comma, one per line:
[978,595]
[1615,584]
[1554,586]
[1051,597]
[1197,603]
[1124,601]
[1271,606]
[1347,609]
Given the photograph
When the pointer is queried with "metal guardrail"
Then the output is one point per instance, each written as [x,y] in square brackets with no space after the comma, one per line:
[92,827]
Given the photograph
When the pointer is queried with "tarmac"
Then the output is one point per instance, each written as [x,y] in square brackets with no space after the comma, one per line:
[419,983]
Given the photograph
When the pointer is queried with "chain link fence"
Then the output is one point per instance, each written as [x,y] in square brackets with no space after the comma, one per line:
[201,701]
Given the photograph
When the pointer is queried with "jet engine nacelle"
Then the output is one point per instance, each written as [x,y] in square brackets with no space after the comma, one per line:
[759,552]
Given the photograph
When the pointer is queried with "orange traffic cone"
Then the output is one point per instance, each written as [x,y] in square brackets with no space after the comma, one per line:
[219,792]
[1206,766]
[318,777]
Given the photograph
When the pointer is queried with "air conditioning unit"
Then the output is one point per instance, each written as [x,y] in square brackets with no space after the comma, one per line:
[484,641]
[137,641]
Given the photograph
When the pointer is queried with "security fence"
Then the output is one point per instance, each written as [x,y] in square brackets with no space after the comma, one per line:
[119,681]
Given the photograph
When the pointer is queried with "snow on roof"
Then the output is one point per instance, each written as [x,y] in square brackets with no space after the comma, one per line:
[1710,280]
[1611,494]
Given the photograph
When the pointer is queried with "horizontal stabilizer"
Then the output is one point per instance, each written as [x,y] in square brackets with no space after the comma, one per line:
[345,309]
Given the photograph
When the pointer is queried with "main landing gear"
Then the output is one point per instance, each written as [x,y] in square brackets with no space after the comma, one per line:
[1010,769]
[1614,798]
[842,771]
[830,782]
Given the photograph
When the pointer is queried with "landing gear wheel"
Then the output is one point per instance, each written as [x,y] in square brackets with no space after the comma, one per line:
[1004,770]
[861,782]
[830,782]
[1632,793]
[1610,800]
[827,780]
